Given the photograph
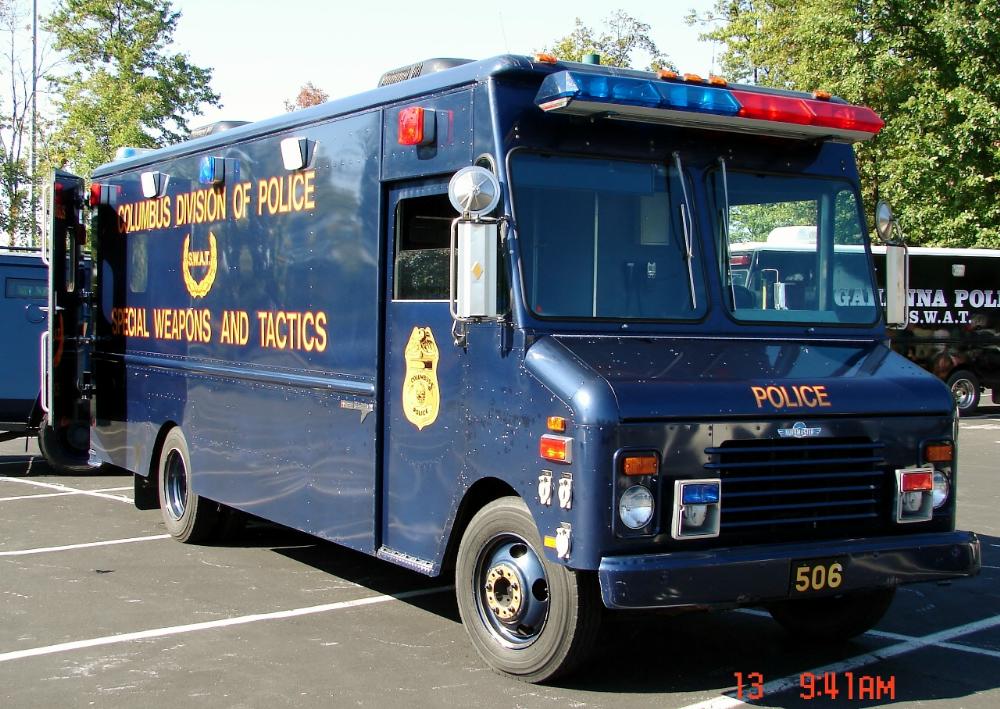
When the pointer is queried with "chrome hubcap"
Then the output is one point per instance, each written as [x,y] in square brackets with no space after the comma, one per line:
[175,484]
[964,393]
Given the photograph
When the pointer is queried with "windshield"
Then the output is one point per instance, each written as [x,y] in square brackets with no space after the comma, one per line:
[605,239]
[795,250]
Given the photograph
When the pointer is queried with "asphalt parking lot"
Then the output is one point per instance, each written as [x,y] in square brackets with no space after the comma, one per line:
[100,608]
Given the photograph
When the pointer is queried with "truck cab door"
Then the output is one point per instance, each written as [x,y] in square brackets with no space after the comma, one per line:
[64,434]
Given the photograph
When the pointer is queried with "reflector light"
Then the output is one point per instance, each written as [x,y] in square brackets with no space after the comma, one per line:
[939,452]
[556,423]
[741,260]
[641,464]
[558,449]
[700,493]
[416,126]
[917,481]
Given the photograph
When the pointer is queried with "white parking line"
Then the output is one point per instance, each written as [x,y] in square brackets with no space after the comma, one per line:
[793,681]
[69,547]
[211,624]
[65,488]
[62,494]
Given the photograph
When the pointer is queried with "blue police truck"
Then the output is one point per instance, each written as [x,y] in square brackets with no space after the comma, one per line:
[481,319]
[24,279]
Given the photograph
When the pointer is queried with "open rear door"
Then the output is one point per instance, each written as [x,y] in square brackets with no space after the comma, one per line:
[64,435]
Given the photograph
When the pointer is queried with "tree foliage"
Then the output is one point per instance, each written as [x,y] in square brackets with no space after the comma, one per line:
[621,37]
[930,69]
[124,86]
[309,95]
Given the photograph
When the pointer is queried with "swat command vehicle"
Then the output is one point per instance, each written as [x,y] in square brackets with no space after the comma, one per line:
[483,319]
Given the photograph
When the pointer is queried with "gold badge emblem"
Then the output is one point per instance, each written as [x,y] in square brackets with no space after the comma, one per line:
[421,397]
[208,260]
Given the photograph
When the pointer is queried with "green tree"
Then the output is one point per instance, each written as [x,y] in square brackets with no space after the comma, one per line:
[617,41]
[124,86]
[930,69]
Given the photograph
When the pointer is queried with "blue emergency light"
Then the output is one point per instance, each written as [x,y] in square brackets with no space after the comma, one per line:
[700,493]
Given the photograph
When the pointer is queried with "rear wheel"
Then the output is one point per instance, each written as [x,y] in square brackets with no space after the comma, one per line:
[527,617]
[188,517]
[964,387]
[833,619]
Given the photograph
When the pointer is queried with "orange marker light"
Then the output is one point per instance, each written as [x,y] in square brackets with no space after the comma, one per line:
[667,74]
[556,423]
[546,58]
[558,449]
[717,81]
[822,95]
[641,465]
[939,452]
[693,78]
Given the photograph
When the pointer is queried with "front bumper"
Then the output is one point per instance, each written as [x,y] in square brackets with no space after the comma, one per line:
[758,574]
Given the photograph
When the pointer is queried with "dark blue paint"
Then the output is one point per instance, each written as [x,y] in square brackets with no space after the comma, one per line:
[319,441]
[23,289]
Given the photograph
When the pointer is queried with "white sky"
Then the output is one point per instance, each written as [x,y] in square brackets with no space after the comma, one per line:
[263,51]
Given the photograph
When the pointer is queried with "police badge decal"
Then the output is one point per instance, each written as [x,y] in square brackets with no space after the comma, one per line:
[421,397]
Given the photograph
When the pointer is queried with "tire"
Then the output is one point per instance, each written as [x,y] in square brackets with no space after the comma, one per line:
[528,618]
[965,387]
[833,619]
[59,453]
[189,518]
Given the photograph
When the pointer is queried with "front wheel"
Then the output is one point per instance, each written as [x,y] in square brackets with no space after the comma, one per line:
[188,517]
[964,387]
[833,619]
[528,618]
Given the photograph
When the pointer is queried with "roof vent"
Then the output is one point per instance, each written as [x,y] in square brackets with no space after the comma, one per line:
[412,71]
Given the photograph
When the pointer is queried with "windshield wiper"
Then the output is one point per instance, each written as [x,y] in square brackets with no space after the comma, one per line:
[685,216]
[725,227]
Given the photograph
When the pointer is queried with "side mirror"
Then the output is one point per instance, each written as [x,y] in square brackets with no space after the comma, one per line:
[897,272]
[474,191]
[896,285]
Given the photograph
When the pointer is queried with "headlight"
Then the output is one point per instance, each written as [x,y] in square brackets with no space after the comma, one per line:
[942,488]
[636,507]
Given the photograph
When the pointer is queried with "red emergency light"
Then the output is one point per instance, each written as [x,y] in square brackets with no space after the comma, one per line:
[416,126]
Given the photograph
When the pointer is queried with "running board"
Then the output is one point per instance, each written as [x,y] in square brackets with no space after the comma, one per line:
[405,560]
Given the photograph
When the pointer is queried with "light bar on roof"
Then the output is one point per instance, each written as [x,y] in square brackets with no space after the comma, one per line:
[688,103]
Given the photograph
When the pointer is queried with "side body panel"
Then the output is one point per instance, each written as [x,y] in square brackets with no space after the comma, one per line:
[248,313]
[23,289]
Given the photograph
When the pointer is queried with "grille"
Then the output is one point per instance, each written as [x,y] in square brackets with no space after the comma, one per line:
[782,490]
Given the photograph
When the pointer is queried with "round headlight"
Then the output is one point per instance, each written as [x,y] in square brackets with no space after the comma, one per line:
[942,488]
[636,507]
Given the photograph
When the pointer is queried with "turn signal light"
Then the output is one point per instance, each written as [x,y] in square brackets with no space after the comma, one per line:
[558,449]
[556,423]
[641,465]
[939,452]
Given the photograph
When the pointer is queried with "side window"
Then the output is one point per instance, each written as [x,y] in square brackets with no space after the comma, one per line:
[27,288]
[423,238]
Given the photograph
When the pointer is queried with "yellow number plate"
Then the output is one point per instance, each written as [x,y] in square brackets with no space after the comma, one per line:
[817,575]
